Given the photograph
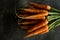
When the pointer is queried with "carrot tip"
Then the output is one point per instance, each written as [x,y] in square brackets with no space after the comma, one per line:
[25,36]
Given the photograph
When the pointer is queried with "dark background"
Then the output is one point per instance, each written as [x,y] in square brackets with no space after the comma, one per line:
[9,29]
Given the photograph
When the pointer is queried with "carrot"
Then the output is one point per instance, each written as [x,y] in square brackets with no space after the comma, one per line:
[23,15]
[31,7]
[17,15]
[42,23]
[45,31]
[47,7]
[37,16]
[30,17]
[25,27]
[33,10]
[20,16]
[36,32]
[33,17]
[28,22]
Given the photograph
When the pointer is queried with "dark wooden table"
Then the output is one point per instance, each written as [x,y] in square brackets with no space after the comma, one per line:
[9,29]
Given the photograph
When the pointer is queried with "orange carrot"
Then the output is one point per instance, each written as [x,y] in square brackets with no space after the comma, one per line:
[47,7]
[31,20]
[20,16]
[28,22]
[37,16]
[45,31]
[31,7]
[25,27]
[36,32]
[33,17]
[42,23]
[33,10]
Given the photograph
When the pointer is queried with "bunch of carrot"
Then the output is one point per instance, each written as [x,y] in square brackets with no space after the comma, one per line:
[34,19]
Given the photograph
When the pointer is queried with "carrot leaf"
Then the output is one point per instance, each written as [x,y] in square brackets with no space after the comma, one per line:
[53,25]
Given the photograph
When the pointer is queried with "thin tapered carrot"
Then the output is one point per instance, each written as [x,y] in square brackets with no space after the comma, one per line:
[31,7]
[30,19]
[25,27]
[47,7]
[36,32]
[28,22]
[23,15]
[17,15]
[34,17]
[37,16]
[33,10]
[20,16]
[42,23]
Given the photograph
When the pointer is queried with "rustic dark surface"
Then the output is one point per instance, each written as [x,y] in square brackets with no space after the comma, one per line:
[9,29]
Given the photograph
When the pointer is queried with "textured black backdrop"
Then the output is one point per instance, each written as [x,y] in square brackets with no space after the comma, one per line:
[9,29]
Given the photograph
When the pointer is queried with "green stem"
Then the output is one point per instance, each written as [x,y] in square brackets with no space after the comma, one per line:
[49,18]
[54,9]
[53,13]
[58,24]
[51,26]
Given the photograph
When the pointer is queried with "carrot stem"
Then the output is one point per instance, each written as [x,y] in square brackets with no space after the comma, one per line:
[54,9]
